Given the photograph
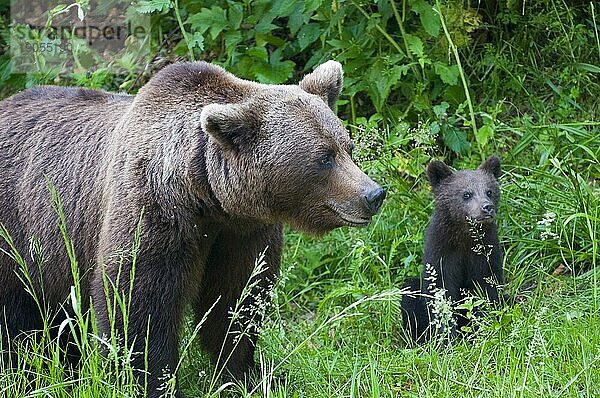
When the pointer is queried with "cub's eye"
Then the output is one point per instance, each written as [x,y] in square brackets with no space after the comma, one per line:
[467,195]
[488,193]
[326,161]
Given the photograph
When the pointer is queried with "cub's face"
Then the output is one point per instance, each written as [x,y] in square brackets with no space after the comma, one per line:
[289,158]
[471,195]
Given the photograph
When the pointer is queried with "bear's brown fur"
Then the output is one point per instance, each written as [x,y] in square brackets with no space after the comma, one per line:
[216,163]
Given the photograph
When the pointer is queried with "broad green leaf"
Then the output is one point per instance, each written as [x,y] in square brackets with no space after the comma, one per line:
[455,139]
[284,8]
[429,19]
[382,79]
[265,25]
[235,14]
[258,53]
[196,41]
[448,73]
[232,39]
[263,39]
[415,45]
[308,34]
[214,20]
[276,71]
[337,44]
[484,133]
[5,67]
[434,128]
[149,6]
[312,5]
[441,109]
[297,19]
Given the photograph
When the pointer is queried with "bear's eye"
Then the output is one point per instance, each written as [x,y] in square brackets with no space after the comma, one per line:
[467,195]
[326,161]
[488,193]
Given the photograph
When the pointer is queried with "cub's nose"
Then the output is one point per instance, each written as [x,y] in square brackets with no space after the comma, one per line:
[374,199]
[488,208]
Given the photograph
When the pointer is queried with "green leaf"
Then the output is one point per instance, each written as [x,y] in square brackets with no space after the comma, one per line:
[484,133]
[149,6]
[284,8]
[415,45]
[337,44]
[311,5]
[235,14]
[258,53]
[276,71]
[441,109]
[434,128]
[455,139]
[587,67]
[297,19]
[197,40]
[214,20]
[429,19]
[382,79]
[57,9]
[5,68]
[265,25]
[308,34]
[232,39]
[448,73]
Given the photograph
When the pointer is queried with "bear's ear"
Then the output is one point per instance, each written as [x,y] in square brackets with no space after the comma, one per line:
[326,81]
[230,124]
[437,171]
[492,166]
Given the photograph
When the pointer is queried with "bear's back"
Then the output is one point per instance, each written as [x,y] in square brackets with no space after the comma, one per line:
[58,135]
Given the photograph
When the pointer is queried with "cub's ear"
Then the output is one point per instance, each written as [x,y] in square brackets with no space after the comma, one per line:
[437,171]
[492,166]
[326,81]
[231,125]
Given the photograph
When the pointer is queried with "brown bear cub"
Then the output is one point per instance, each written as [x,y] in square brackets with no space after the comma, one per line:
[213,164]
[462,255]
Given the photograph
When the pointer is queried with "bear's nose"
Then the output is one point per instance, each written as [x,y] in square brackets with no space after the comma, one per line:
[487,208]
[374,199]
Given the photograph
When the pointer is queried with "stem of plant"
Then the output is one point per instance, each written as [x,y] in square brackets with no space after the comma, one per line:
[595,27]
[381,30]
[400,23]
[461,73]
[183,32]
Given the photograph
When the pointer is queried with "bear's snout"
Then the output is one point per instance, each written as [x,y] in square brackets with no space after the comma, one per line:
[488,208]
[488,212]
[374,199]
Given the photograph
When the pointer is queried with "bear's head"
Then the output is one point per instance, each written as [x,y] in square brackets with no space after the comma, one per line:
[466,195]
[280,154]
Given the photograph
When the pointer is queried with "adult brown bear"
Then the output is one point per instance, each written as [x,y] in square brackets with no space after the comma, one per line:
[216,164]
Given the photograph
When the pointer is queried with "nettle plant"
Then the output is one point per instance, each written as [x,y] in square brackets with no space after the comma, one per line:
[397,55]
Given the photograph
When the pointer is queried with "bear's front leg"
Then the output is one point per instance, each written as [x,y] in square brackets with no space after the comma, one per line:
[153,303]
[231,329]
